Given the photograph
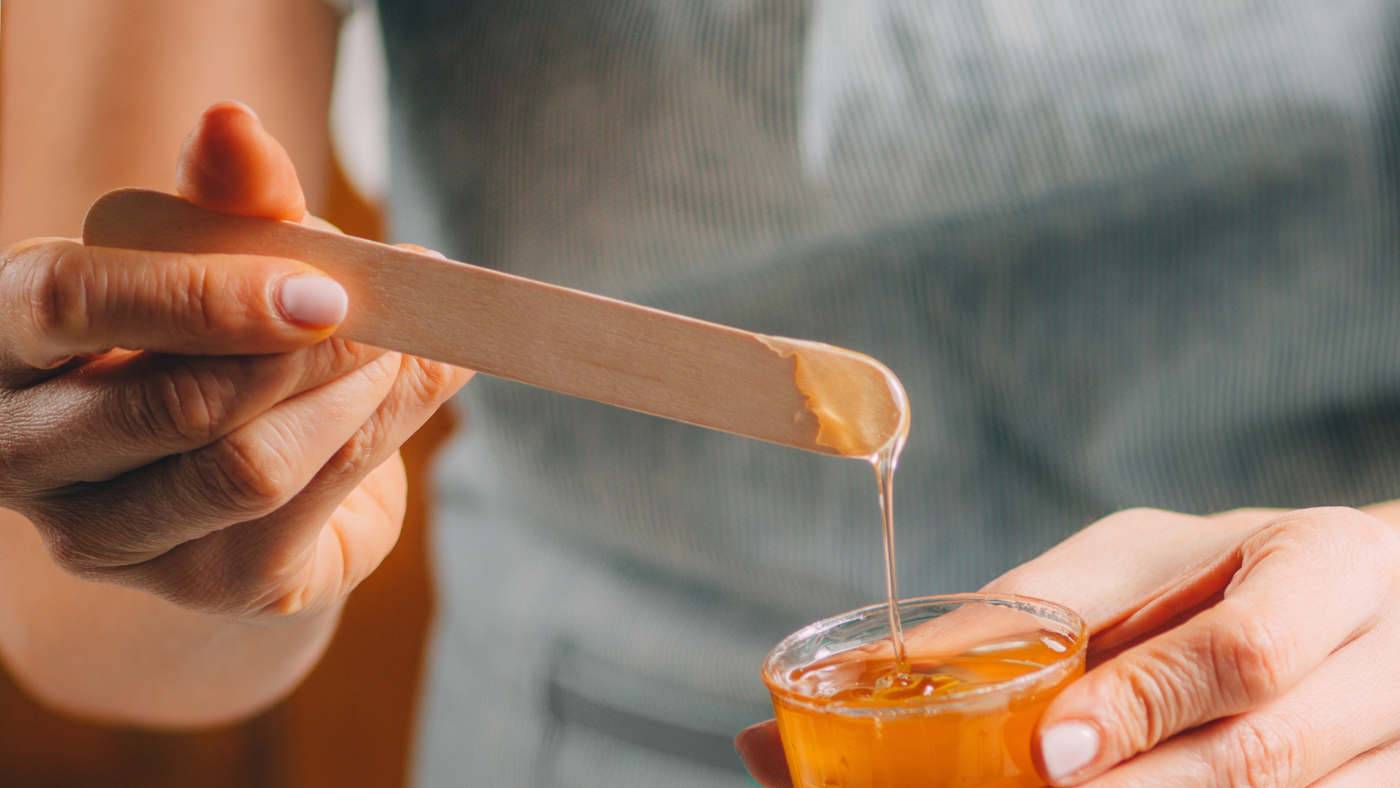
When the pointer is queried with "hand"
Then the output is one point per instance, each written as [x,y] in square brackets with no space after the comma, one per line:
[1252,648]
[228,456]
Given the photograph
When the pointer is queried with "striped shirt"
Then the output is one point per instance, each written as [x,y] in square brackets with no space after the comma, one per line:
[1120,254]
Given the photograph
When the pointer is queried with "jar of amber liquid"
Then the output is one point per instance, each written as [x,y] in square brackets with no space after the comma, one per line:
[959,714]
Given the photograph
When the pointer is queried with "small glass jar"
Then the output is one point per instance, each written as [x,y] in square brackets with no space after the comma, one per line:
[981,671]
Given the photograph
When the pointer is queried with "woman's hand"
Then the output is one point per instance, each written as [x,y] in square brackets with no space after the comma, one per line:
[183,425]
[1252,648]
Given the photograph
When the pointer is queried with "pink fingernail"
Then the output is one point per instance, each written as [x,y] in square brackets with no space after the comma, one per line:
[1068,747]
[313,300]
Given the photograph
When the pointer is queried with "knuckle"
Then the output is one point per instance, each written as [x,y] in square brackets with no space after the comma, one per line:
[1152,696]
[182,405]
[356,456]
[1251,660]
[73,550]
[1261,753]
[64,294]
[432,382]
[1334,529]
[79,560]
[244,476]
[341,354]
[192,304]
[1352,542]
[334,357]
[202,304]
[66,552]
[1362,536]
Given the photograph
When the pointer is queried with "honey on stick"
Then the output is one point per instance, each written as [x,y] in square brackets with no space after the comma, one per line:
[859,406]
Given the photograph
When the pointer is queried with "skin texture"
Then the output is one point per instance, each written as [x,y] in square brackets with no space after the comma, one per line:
[187,512]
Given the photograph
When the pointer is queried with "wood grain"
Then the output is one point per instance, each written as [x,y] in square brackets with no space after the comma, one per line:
[511,327]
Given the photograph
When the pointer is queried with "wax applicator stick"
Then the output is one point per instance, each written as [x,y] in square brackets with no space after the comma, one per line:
[801,394]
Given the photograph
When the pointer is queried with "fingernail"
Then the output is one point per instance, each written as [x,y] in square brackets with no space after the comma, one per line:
[313,300]
[244,107]
[1068,747]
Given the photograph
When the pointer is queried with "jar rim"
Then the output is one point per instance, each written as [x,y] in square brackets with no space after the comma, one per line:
[956,700]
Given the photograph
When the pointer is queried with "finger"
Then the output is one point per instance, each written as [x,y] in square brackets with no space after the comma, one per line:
[336,530]
[1347,706]
[59,299]
[1301,588]
[1380,766]
[230,163]
[1109,571]
[128,410]
[761,750]
[95,530]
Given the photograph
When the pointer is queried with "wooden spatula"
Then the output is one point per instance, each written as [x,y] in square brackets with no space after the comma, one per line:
[802,394]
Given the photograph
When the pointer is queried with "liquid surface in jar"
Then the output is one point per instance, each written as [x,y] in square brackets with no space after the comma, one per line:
[877,681]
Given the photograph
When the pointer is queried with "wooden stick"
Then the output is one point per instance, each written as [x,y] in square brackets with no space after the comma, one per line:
[561,339]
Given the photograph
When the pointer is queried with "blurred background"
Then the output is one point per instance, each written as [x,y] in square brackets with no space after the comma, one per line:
[351,723]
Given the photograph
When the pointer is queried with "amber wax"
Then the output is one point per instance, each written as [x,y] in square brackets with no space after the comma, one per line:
[981,669]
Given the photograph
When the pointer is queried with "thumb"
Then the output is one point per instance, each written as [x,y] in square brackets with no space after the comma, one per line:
[761,750]
[230,163]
